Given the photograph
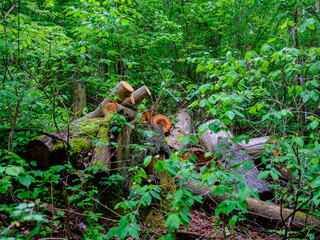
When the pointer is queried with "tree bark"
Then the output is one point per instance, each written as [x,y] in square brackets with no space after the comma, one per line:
[79,98]
[182,129]
[260,208]
[137,96]
[232,154]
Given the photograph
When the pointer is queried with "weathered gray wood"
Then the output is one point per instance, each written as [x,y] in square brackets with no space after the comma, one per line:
[255,146]
[181,129]
[232,154]
[260,208]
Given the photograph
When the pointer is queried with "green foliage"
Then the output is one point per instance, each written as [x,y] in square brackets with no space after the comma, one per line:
[253,65]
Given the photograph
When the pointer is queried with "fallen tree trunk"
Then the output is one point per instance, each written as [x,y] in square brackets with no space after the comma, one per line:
[255,146]
[48,151]
[182,129]
[121,91]
[233,154]
[261,208]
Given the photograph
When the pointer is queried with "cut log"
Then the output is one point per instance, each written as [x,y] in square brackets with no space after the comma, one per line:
[111,106]
[200,160]
[146,117]
[42,150]
[162,121]
[232,154]
[126,111]
[48,151]
[137,96]
[182,129]
[255,146]
[121,90]
[260,208]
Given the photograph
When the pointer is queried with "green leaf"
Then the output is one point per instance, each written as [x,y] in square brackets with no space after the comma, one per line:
[299,141]
[230,115]
[233,74]
[305,97]
[263,175]
[211,179]
[13,171]
[134,233]
[231,206]
[247,165]
[203,103]
[147,161]
[253,110]
[202,128]
[142,173]
[283,25]
[209,66]
[244,195]
[173,222]
[25,180]
[200,68]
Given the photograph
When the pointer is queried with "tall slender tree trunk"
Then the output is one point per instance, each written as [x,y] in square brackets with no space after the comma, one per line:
[79,98]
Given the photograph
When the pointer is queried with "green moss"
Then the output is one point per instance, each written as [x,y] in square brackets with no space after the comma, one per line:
[79,145]
[106,119]
[90,130]
[156,220]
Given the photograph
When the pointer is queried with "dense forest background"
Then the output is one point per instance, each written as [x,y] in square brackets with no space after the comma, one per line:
[253,64]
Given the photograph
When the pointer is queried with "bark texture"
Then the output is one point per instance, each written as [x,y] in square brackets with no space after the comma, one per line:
[233,154]
[79,99]
[182,129]
[261,208]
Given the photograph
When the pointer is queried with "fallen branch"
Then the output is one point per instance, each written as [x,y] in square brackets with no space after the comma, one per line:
[261,208]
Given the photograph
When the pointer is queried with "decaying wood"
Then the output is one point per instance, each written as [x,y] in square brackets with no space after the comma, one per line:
[126,111]
[137,96]
[182,129]
[121,91]
[255,146]
[101,157]
[42,150]
[199,153]
[146,117]
[128,157]
[162,121]
[232,154]
[261,208]
[110,106]
[49,151]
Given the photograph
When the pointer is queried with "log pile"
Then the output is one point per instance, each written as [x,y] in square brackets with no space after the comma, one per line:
[54,149]
[89,140]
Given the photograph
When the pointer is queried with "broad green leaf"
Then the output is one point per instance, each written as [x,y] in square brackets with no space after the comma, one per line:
[147,161]
[13,171]
[230,115]
[25,180]
[173,222]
